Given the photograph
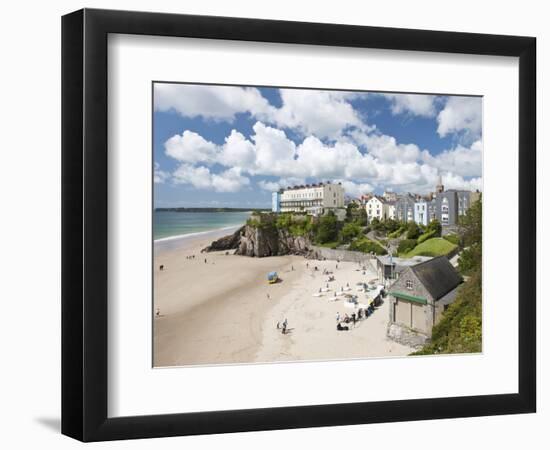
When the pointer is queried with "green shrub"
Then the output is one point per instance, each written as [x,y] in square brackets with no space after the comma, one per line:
[391,225]
[397,233]
[327,230]
[469,259]
[406,245]
[413,230]
[284,221]
[426,236]
[365,245]
[452,238]
[434,225]
[350,231]
[253,222]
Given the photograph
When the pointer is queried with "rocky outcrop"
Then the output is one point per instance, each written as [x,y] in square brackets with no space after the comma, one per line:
[406,336]
[261,241]
[230,242]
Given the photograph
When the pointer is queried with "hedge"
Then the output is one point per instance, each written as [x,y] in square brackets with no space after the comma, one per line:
[406,245]
[426,236]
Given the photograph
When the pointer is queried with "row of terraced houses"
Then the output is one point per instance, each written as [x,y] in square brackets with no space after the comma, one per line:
[446,206]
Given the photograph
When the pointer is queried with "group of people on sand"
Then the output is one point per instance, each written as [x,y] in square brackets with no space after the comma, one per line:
[190,257]
[361,314]
[282,326]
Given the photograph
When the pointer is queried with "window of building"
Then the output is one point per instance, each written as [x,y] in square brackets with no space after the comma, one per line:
[409,284]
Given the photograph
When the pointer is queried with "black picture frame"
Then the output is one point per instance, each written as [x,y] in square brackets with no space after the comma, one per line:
[84,224]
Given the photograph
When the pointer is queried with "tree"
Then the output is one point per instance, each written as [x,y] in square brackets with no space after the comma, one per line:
[362,218]
[471,233]
[391,225]
[413,231]
[434,225]
[350,209]
[376,225]
[327,230]
[350,231]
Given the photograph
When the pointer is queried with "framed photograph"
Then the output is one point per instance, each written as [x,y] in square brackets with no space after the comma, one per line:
[273,224]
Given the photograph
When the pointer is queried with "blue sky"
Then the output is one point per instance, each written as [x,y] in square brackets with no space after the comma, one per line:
[232,146]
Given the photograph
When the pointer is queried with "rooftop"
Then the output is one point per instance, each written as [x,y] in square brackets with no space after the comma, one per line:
[438,276]
[403,262]
[306,186]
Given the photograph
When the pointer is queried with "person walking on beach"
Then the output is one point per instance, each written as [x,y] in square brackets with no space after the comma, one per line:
[204,260]
[337,317]
[268,297]
[285,323]
[353,318]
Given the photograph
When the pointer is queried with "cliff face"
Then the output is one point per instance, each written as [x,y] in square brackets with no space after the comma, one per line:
[262,241]
[230,242]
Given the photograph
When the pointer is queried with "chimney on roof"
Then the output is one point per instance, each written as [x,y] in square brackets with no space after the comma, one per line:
[439,188]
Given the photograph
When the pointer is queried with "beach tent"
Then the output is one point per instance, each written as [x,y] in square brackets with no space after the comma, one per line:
[272,277]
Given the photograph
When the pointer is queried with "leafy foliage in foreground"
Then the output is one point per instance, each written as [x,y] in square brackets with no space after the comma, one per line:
[459,331]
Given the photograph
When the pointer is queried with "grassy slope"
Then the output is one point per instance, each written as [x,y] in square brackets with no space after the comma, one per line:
[432,247]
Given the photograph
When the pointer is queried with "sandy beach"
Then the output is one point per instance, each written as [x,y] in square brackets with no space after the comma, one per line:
[217,308]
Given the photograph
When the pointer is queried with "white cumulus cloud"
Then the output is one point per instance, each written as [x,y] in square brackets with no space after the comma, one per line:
[353,189]
[200,177]
[190,147]
[415,104]
[210,102]
[460,114]
[324,114]
[159,176]
[280,183]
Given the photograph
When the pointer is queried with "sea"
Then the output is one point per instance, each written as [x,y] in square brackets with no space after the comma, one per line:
[168,225]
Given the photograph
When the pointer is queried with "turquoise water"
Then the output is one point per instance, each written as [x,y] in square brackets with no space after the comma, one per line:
[168,224]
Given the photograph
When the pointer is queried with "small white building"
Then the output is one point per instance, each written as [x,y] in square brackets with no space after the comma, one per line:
[376,208]
[421,213]
[314,199]
[391,209]
[379,208]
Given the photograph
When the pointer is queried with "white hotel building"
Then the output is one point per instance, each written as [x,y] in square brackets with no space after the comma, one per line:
[313,199]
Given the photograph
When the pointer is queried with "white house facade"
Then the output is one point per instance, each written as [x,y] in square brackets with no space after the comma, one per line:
[376,208]
[421,213]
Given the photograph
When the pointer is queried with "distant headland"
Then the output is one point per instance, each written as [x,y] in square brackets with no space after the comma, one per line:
[213,210]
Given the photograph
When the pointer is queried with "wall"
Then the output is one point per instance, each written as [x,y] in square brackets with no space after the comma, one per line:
[30,229]
[342,255]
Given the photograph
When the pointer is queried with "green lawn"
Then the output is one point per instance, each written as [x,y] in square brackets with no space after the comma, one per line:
[432,247]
